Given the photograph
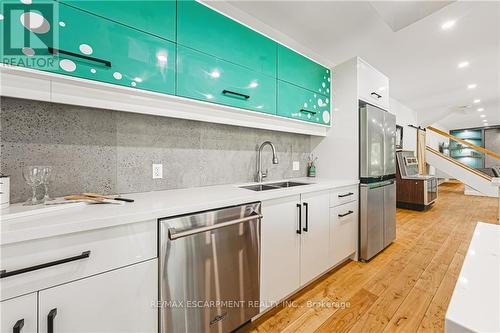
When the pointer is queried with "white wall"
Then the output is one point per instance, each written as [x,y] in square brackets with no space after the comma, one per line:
[404,117]
[433,140]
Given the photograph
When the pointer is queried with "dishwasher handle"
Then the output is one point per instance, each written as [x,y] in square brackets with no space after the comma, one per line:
[172,234]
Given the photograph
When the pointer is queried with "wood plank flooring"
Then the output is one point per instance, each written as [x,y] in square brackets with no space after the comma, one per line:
[406,288]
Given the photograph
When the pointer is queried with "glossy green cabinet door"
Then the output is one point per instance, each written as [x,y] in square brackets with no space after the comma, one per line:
[203,77]
[204,29]
[94,48]
[155,17]
[302,104]
[301,71]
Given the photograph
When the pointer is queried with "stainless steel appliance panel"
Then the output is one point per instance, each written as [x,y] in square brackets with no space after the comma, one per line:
[371,220]
[389,144]
[371,141]
[209,270]
[389,213]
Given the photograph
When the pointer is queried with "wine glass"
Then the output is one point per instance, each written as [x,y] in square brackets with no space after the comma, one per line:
[33,177]
[46,180]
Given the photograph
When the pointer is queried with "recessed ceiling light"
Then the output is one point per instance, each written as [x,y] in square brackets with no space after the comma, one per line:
[472,86]
[480,110]
[482,116]
[476,101]
[485,124]
[448,25]
[463,64]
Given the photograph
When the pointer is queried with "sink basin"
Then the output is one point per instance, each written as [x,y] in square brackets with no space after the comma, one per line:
[260,187]
[272,186]
[288,184]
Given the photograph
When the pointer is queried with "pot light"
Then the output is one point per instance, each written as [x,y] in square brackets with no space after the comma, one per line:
[472,86]
[485,124]
[480,110]
[485,120]
[253,84]
[476,101]
[448,25]
[482,116]
[138,79]
[463,64]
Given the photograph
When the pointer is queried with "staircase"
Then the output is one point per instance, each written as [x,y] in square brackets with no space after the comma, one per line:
[479,181]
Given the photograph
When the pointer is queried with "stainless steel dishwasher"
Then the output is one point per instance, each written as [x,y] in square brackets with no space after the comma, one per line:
[209,269]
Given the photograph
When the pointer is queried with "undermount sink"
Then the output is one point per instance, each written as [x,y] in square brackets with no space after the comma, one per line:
[273,186]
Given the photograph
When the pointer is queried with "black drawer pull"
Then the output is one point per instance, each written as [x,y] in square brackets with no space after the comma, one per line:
[18,326]
[229,92]
[4,273]
[308,111]
[376,95]
[299,230]
[345,195]
[72,54]
[348,213]
[50,320]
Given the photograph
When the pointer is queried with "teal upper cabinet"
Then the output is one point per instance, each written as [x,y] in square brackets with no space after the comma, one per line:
[302,104]
[207,78]
[301,71]
[204,29]
[90,47]
[156,17]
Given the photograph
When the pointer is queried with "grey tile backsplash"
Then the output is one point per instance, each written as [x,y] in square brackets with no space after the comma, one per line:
[96,150]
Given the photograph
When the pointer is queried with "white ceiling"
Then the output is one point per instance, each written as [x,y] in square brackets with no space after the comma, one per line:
[420,59]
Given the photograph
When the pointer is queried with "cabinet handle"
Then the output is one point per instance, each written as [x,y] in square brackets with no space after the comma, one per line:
[4,273]
[18,326]
[345,195]
[76,55]
[348,213]
[229,92]
[306,206]
[308,111]
[299,230]
[376,95]
[50,320]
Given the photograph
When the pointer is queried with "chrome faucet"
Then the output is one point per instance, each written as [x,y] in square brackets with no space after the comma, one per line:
[261,175]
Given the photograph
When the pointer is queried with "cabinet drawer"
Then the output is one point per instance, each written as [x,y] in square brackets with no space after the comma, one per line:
[206,30]
[97,49]
[343,195]
[373,85]
[109,248]
[156,17]
[203,77]
[302,104]
[343,231]
[301,71]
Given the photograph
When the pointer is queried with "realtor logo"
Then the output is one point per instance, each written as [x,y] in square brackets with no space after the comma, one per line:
[28,33]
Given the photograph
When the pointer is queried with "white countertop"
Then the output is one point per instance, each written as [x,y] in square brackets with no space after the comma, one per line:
[475,303]
[147,206]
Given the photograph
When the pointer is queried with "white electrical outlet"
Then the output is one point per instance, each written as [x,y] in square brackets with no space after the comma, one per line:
[296,166]
[157,171]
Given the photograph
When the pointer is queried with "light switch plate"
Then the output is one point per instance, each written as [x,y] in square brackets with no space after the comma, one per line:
[157,171]
[296,166]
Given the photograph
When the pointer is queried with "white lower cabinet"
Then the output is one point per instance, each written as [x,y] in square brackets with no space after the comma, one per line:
[343,231]
[295,244]
[122,300]
[280,249]
[315,237]
[18,315]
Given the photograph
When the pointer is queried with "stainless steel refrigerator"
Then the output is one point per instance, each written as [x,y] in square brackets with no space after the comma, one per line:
[377,227]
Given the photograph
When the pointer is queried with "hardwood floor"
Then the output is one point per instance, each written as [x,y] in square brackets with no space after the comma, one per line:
[406,288]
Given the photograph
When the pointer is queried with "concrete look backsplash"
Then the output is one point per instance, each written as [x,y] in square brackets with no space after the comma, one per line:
[104,151]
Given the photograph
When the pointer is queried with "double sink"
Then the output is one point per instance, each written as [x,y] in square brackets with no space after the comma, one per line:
[273,186]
